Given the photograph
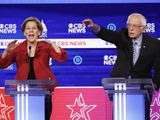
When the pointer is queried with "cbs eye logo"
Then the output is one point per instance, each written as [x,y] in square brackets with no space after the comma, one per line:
[77,60]
[111,26]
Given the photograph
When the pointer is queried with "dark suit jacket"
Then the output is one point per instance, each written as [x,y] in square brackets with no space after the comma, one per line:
[149,55]
[40,64]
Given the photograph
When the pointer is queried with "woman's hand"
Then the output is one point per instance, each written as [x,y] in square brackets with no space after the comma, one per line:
[56,48]
[12,45]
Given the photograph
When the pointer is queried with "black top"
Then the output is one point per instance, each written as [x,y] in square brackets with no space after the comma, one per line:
[31,75]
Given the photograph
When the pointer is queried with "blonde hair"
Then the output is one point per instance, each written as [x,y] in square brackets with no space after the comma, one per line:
[139,16]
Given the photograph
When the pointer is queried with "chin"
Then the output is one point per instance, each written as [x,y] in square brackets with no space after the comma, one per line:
[31,41]
[132,36]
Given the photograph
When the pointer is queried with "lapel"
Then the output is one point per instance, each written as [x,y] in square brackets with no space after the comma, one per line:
[37,51]
[128,41]
[144,46]
[22,51]
[130,53]
[24,48]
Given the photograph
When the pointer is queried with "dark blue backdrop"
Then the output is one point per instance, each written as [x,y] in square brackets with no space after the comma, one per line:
[85,66]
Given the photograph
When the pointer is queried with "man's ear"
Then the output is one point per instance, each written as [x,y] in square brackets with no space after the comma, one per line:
[143,28]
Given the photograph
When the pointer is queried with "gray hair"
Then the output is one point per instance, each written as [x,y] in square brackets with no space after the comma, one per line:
[140,17]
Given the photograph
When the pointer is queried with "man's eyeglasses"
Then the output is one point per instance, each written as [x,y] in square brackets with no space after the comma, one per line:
[134,26]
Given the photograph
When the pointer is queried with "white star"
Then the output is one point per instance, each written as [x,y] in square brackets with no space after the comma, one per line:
[87,110]
[76,108]
[79,109]
[156,101]
[154,114]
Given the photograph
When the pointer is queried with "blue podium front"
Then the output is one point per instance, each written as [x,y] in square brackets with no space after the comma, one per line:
[29,96]
[129,99]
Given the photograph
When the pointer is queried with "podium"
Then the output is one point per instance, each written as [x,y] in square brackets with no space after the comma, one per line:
[129,97]
[29,97]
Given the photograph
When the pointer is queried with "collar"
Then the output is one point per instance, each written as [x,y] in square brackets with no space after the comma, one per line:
[138,41]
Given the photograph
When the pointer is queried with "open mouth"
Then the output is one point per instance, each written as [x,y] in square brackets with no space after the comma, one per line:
[31,36]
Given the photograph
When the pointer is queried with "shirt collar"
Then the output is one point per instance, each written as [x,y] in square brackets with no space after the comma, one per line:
[138,40]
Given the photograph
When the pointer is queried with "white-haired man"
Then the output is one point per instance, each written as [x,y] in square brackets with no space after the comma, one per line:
[137,53]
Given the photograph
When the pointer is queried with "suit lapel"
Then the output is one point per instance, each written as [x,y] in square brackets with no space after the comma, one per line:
[143,48]
[130,51]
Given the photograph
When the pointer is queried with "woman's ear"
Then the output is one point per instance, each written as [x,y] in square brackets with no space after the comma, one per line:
[39,33]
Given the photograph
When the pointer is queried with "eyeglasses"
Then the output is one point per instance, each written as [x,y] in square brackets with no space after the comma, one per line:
[134,26]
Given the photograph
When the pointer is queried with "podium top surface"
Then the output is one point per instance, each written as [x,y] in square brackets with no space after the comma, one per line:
[127,81]
[30,87]
[29,82]
[109,83]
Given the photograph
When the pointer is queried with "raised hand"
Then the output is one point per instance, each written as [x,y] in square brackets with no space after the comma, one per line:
[9,48]
[56,48]
[91,24]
